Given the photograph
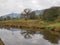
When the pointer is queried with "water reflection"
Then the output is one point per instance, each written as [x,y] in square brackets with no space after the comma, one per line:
[50,37]
[35,37]
[46,35]
[28,33]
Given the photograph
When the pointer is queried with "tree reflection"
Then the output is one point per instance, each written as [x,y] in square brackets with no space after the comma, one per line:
[28,34]
[47,35]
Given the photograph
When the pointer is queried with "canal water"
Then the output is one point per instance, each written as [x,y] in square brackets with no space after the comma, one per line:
[13,36]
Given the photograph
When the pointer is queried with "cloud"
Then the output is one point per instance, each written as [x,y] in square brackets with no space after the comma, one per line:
[9,6]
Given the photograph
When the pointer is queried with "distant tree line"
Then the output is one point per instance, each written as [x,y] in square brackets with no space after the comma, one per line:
[6,18]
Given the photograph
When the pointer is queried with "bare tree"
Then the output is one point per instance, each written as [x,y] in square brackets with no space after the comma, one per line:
[26,13]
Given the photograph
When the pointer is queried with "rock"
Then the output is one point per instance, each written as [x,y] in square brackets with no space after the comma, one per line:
[1,42]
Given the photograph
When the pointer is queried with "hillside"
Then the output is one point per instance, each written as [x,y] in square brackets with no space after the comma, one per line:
[52,14]
[39,12]
[12,15]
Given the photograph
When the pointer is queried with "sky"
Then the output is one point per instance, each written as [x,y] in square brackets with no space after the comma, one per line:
[17,6]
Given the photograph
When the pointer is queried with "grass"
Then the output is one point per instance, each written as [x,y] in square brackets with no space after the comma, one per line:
[54,24]
[30,23]
[24,23]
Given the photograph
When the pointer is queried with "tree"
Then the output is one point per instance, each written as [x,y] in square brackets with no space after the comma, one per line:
[8,18]
[51,14]
[28,14]
[1,18]
[33,15]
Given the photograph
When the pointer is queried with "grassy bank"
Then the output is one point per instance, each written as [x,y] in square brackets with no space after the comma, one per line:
[55,24]
[34,24]
[24,23]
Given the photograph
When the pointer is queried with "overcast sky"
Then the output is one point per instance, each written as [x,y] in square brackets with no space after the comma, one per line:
[9,6]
